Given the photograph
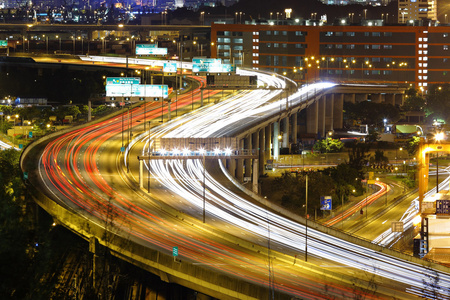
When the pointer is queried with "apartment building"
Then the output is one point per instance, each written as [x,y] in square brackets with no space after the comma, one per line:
[410,10]
[407,55]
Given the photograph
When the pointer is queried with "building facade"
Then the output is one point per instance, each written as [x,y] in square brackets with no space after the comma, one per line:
[410,10]
[408,55]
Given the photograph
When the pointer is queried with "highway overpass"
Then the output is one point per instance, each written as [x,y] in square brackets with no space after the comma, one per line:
[242,251]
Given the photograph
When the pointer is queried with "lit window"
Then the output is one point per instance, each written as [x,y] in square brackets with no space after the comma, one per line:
[420,51]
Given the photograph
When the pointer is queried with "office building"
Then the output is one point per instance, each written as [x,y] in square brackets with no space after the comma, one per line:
[408,55]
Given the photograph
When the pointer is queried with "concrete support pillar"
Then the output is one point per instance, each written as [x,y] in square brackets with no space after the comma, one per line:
[141,173]
[350,98]
[240,169]
[261,150]
[399,99]
[232,166]
[329,111]
[312,118]
[255,149]
[338,111]
[240,163]
[389,99]
[285,141]
[294,127]
[248,161]
[321,114]
[275,144]
[360,97]
[376,98]
[267,139]
[255,176]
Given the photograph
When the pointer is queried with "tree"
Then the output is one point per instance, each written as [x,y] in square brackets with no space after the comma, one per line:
[412,145]
[358,157]
[413,101]
[380,158]
[328,145]
[437,101]
[294,189]
[370,113]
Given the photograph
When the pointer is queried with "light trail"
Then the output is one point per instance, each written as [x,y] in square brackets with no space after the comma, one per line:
[69,167]
[388,237]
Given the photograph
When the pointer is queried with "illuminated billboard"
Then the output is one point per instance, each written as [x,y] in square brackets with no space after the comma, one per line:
[137,90]
[150,49]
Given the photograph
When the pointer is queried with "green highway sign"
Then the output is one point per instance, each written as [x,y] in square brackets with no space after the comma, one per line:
[175,251]
[3,43]
[123,80]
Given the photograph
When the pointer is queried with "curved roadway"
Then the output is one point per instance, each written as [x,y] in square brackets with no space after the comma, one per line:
[82,171]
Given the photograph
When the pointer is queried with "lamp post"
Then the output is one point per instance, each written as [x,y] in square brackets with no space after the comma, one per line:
[329,133]
[58,37]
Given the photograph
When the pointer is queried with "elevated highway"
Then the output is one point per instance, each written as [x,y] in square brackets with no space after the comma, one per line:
[246,249]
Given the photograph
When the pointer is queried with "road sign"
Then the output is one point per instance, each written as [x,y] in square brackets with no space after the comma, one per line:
[397,226]
[20,146]
[122,149]
[370,181]
[25,175]
[325,203]
[123,80]
[175,251]
[150,49]
[30,134]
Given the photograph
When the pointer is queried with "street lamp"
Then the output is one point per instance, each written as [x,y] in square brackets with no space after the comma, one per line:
[58,37]
[329,133]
